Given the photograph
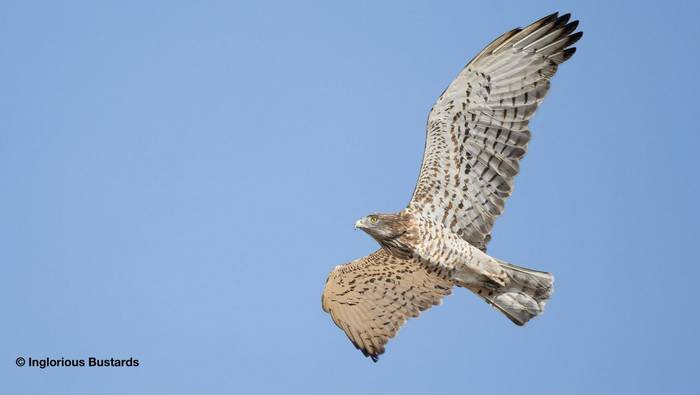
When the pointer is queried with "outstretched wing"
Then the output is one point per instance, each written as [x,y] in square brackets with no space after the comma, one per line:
[371,297]
[478,129]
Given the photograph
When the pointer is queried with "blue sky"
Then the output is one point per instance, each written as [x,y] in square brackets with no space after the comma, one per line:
[178,178]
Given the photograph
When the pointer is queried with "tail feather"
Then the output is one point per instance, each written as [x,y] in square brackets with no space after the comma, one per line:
[524,295]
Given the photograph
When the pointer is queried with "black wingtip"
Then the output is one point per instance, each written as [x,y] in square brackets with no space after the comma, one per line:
[570,27]
[551,16]
[568,53]
[562,20]
[547,19]
[574,37]
[373,356]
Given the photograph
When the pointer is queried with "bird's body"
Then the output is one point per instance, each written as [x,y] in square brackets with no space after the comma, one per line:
[439,247]
[477,133]
[435,246]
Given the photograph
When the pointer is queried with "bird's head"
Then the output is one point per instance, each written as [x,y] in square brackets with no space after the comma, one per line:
[384,227]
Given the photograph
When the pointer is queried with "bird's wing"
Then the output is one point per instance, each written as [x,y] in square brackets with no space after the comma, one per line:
[477,130]
[371,297]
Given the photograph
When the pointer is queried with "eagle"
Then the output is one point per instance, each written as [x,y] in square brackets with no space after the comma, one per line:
[477,133]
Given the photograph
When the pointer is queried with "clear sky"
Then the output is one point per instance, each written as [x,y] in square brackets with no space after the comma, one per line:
[178,178]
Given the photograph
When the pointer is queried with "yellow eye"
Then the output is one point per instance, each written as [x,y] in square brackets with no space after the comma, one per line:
[373,219]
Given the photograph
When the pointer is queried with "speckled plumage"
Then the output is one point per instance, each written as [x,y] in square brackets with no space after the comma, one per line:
[477,132]
[371,297]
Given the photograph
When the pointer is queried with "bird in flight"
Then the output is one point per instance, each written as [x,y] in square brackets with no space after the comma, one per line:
[477,132]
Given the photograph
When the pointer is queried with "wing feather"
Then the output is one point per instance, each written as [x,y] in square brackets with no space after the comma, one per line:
[477,131]
[371,298]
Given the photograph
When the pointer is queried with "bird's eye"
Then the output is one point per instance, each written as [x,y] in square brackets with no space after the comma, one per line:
[373,219]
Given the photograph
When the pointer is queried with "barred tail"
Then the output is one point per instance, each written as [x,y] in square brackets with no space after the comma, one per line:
[524,295]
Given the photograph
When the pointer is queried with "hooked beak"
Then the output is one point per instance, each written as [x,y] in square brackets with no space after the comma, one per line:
[360,224]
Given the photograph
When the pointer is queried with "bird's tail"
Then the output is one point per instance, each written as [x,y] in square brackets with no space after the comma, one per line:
[522,297]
